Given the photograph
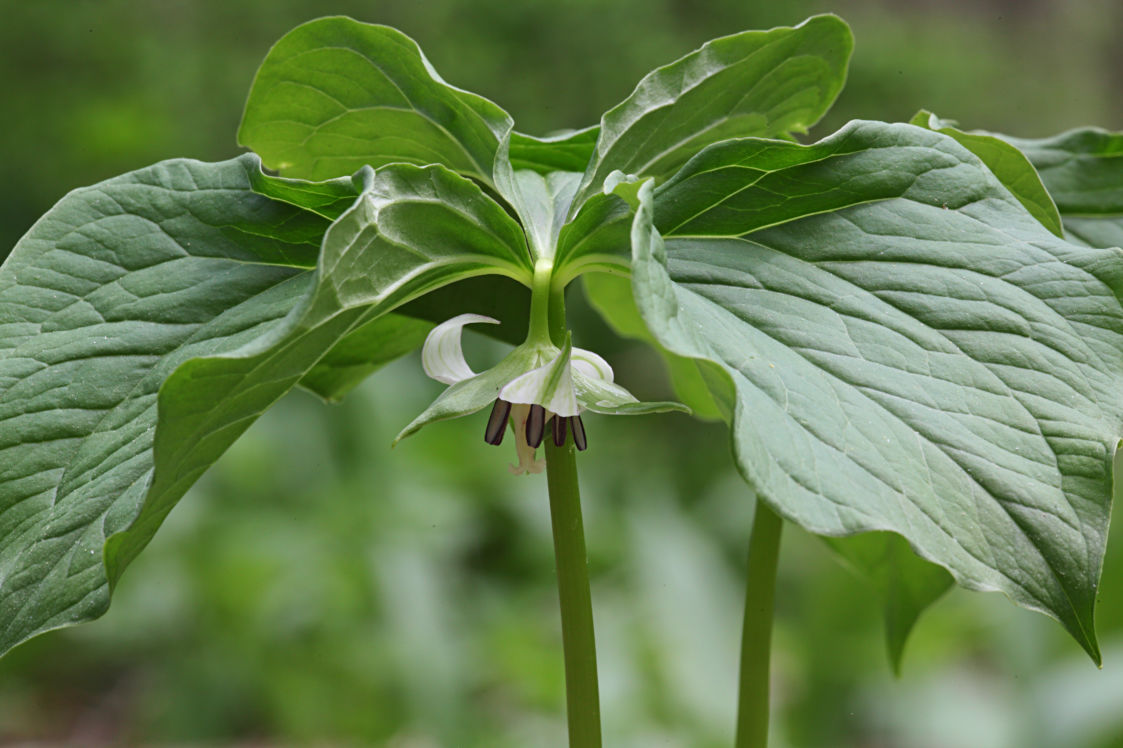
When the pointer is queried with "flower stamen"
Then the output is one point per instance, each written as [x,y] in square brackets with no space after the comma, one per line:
[559,430]
[497,423]
[535,426]
[578,433]
[534,384]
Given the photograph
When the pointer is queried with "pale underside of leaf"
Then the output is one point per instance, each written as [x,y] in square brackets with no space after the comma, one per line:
[412,230]
[933,363]
[107,294]
[141,332]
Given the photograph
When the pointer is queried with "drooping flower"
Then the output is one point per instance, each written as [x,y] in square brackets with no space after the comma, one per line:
[537,389]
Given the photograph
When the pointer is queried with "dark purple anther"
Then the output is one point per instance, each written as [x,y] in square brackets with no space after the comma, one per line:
[535,425]
[559,430]
[578,433]
[497,422]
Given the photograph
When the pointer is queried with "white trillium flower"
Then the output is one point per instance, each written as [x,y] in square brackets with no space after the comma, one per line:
[537,388]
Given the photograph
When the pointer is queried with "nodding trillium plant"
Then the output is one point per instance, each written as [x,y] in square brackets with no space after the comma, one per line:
[914,332]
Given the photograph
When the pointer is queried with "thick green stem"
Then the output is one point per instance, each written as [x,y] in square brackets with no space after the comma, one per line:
[558,327]
[582,698]
[756,636]
[541,315]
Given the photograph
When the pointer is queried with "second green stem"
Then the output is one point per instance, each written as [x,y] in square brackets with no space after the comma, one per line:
[756,636]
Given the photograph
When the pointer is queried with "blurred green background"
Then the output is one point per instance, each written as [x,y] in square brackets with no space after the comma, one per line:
[318,588]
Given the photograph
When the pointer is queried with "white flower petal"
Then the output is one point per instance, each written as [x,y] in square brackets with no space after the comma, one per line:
[591,365]
[550,385]
[442,357]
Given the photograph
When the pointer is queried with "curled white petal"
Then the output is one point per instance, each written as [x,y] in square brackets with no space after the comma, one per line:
[550,385]
[591,365]
[442,357]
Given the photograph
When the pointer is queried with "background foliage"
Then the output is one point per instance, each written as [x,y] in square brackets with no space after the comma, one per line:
[318,587]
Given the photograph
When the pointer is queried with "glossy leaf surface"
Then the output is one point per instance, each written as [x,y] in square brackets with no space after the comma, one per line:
[756,83]
[568,151]
[334,95]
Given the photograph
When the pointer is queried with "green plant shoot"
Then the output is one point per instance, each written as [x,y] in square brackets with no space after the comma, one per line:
[913,332]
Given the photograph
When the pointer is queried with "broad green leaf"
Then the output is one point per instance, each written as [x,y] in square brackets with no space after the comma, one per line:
[775,182]
[611,296]
[140,334]
[104,297]
[412,230]
[334,95]
[739,186]
[475,393]
[756,83]
[906,583]
[1083,171]
[910,351]
[566,151]
[328,199]
[362,352]
[1009,164]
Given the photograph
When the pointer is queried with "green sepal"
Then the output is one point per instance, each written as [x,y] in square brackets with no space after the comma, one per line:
[550,364]
[610,399]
